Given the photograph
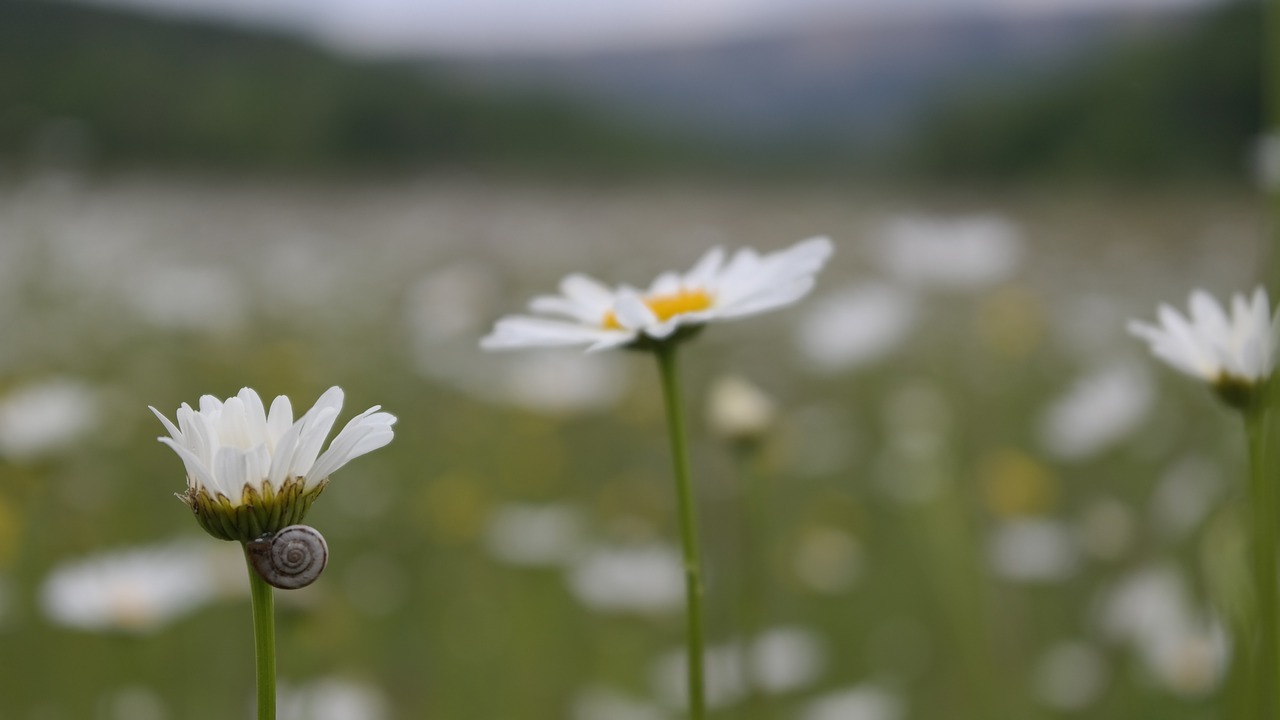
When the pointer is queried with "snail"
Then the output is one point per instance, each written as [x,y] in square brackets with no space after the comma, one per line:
[291,558]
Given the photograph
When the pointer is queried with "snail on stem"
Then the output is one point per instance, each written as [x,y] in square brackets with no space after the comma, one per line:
[289,559]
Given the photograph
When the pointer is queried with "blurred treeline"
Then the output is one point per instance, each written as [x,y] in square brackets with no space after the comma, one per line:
[1181,107]
[104,88]
[114,88]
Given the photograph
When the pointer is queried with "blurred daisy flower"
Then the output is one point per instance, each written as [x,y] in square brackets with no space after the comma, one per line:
[589,313]
[250,472]
[1232,352]
[135,590]
[739,412]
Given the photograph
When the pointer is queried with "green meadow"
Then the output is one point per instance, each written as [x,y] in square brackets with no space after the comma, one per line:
[981,496]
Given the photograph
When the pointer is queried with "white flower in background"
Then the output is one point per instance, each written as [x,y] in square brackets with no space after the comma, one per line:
[725,680]
[855,326]
[715,289]
[647,579]
[535,535]
[784,659]
[738,411]
[249,472]
[1232,352]
[1151,609]
[862,702]
[1033,551]
[600,703]
[1096,412]
[188,297]
[42,418]
[333,699]
[968,252]
[138,590]
[779,660]
[552,381]
[1267,162]
[1188,491]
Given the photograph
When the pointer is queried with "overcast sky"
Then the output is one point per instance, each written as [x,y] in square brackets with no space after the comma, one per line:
[522,26]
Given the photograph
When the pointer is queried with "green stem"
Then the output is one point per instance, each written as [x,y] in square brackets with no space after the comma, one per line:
[752,561]
[264,642]
[1262,504]
[666,354]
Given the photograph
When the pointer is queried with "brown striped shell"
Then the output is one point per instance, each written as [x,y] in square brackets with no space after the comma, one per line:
[291,558]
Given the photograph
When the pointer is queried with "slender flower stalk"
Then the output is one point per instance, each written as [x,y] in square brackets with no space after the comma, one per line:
[1235,354]
[675,308]
[252,475]
[742,416]
[264,643]
[1263,508]
[754,587]
[669,371]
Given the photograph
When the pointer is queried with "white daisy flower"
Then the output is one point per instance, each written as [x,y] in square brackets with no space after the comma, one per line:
[715,289]
[738,411]
[250,472]
[134,590]
[1235,351]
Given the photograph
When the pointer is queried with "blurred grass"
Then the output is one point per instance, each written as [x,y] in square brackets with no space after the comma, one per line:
[415,605]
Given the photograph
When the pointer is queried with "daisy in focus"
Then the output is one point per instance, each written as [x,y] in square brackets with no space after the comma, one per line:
[587,312]
[1233,352]
[251,472]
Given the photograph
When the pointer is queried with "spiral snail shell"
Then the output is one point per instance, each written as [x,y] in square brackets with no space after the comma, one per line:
[291,558]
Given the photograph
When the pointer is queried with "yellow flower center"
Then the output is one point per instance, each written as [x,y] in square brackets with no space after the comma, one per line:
[684,300]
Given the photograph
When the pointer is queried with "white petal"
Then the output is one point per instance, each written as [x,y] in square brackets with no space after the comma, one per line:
[665,328]
[210,405]
[704,271]
[614,341]
[282,458]
[234,426]
[173,431]
[520,331]
[362,434]
[556,305]
[257,464]
[667,283]
[771,299]
[804,258]
[586,291]
[314,431]
[332,398]
[1208,318]
[196,470]
[279,420]
[198,434]
[229,472]
[1195,351]
[254,415]
[631,311]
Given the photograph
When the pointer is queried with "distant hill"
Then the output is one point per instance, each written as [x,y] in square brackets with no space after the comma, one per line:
[115,88]
[850,82]
[1186,106]
[1100,96]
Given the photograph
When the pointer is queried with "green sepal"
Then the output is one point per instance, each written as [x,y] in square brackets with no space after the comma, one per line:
[260,511]
[1243,395]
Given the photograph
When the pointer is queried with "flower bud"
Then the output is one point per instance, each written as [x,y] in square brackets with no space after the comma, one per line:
[739,411]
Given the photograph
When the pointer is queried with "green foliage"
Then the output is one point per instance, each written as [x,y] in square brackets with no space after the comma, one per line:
[134,89]
[1184,106]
